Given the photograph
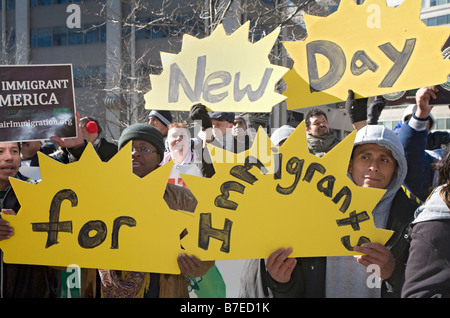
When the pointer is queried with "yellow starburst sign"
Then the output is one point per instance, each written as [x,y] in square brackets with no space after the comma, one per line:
[252,208]
[95,215]
[100,215]
[224,72]
[372,49]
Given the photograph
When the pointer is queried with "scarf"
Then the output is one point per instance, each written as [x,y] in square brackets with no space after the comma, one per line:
[320,146]
[123,284]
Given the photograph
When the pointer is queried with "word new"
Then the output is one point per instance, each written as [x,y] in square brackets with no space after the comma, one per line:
[294,166]
[215,81]
[85,237]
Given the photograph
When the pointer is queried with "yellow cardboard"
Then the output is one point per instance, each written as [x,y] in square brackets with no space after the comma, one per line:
[100,215]
[371,48]
[104,192]
[241,217]
[224,72]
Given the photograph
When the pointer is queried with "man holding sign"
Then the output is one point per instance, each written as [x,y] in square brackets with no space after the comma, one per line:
[147,153]
[17,280]
[378,162]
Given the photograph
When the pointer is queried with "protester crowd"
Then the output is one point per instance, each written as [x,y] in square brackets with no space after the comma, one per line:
[415,262]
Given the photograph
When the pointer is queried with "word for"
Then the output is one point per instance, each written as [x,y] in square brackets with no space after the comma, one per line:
[360,63]
[86,239]
[294,166]
[215,81]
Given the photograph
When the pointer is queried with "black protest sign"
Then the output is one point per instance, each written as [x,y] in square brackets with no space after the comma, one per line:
[36,102]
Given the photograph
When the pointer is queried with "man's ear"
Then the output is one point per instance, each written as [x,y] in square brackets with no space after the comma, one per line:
[349,169]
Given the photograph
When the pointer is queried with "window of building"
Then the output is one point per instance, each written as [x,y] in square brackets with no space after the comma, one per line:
[75,36]
[10,4]
[10,40]
[440,124]
[103,33]
[157,32]
[44,2]
[442,20]
[44,37]
[78,77]
[431,21]
[92,34]
[60,36]
[90,76]
[388,124]
[36,3]
[33,38]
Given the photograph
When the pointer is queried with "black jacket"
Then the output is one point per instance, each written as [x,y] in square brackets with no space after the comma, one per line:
[308,277]
[26,281]
[104,149]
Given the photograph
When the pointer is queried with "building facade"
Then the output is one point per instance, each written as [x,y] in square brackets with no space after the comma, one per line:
[114,47]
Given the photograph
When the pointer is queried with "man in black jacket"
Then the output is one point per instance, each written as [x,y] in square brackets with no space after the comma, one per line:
[377,162]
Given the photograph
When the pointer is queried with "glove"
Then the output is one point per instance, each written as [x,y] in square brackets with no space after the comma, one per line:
[357,109]
[375,109]
[199,113]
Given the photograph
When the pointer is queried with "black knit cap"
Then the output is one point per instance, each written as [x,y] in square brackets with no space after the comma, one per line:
[144,132]
[223,116]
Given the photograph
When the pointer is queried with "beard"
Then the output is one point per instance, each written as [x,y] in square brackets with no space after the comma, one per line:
[322,133]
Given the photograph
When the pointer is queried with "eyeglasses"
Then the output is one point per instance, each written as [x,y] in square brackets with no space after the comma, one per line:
[144,150]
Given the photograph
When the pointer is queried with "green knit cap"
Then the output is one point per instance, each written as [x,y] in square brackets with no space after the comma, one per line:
[144,132]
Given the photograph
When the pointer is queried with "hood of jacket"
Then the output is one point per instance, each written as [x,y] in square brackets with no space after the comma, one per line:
[433,209]
[384,137]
